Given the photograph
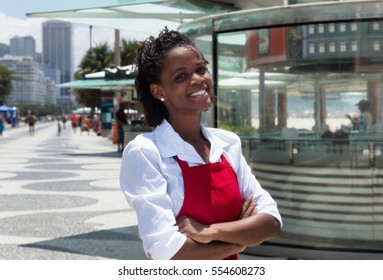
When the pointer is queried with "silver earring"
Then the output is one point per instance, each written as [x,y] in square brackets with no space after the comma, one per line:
[162,99]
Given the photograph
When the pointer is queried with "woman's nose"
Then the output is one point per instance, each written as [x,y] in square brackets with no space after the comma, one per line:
[197,78]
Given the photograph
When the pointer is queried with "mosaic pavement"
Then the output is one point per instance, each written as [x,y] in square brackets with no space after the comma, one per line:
[60,198]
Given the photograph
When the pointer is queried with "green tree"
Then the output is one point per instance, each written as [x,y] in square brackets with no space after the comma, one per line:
[128,51]
[5,83]
[96,59]
[4,49]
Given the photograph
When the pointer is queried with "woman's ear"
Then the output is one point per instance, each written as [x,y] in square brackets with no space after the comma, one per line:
[157,91]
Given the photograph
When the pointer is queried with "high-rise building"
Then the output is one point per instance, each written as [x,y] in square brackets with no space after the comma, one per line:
[57,53]
[22,46]
[31,85]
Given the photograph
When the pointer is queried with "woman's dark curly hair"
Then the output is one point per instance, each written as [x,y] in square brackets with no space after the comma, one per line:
[149,61]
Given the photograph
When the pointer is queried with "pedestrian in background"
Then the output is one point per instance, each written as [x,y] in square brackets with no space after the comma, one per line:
[121,120]
[63,120]
[365,118]
[83,123]
[58,128]
[31,120]
[195,196]
[1,125]
[74,121]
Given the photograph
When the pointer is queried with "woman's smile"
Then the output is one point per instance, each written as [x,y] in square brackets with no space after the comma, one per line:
[199,93]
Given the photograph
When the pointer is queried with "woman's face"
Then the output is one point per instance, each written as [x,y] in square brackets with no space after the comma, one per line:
[186,84]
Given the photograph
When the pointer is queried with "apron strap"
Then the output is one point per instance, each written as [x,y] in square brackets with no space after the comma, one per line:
[183,164]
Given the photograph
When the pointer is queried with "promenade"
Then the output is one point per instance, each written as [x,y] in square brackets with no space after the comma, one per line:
[60,198]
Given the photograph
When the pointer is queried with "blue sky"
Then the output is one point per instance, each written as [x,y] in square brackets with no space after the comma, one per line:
[14,22]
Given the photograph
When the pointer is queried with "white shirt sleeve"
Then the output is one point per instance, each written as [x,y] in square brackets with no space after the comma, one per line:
[145,189]
[247,182]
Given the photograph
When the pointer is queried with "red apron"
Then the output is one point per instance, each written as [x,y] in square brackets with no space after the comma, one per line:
[211,193]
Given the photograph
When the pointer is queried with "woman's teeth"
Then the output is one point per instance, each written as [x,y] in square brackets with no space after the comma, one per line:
[197,93]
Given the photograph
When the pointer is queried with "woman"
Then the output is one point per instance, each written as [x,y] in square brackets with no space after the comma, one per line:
[191,188]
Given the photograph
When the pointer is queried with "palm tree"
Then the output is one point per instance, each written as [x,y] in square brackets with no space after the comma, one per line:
[96,59]
[128,51]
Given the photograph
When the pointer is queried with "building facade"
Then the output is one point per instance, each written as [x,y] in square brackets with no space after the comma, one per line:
[22,46]
[31,85]
[58,53]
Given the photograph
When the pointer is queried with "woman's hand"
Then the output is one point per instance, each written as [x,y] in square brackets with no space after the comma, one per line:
[204,233]
[194,230]
[249,208]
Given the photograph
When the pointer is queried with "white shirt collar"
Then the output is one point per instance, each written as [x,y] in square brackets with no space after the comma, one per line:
[171,144]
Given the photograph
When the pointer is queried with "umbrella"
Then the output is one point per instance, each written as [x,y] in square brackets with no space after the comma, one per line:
[108,79]
[102,84]
[144,16]
[5,108]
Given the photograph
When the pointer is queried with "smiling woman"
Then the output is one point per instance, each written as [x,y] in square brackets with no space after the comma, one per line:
[185,85]
[196,197]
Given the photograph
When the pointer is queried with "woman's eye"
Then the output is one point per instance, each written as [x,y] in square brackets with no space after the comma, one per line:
[180,77]
[184,76]
[202,70]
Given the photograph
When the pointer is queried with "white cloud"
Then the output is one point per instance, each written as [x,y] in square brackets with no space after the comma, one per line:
[81,40]
[12,26]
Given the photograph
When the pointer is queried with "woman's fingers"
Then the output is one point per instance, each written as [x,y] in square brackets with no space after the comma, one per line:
[249,208]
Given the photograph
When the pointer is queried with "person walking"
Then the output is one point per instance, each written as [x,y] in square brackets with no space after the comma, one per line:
[63,120]
[196,197]
[121,120]
[58,128]
[31,120]
[74,122]
[1,125]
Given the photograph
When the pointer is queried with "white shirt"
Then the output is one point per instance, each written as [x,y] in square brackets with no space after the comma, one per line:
[152,182]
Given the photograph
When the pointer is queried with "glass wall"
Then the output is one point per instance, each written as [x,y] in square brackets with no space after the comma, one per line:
[310,79]
[306,100]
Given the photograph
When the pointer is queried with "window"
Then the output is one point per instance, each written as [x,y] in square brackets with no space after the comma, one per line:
[354,46]
[331,28]
[332,47]
[343,46]
[322,48]
[312,48]
[320,28]
[311,29]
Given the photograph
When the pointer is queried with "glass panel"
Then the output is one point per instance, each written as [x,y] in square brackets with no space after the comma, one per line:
[307,82]
[307,102]
[204,44]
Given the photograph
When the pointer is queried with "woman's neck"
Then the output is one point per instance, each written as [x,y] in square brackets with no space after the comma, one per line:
[188,128]
[190,131]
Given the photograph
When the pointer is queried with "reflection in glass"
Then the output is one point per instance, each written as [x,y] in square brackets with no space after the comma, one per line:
[309,112]
[304,82]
